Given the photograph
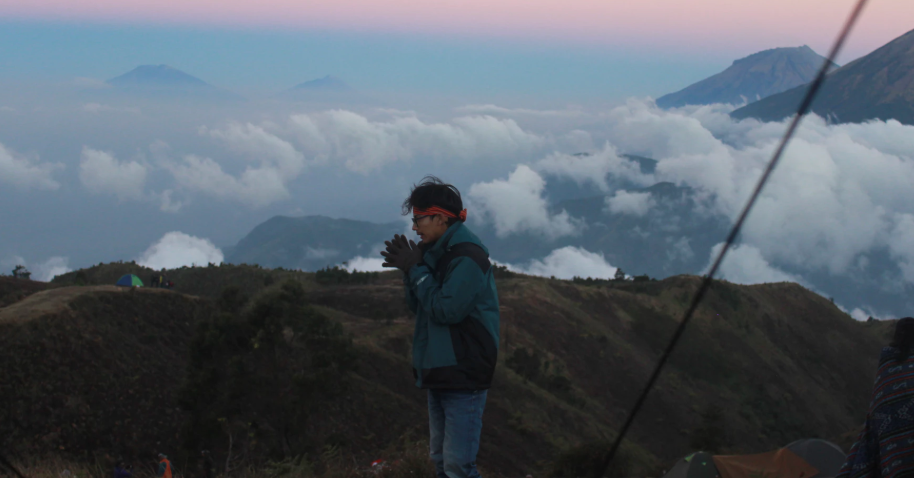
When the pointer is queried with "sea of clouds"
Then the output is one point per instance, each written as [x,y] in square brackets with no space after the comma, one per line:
[841,196]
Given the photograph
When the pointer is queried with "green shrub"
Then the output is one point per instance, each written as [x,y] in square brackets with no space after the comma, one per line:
[257,371]
[502,272]
[531,365]
[710,435]
[586,461]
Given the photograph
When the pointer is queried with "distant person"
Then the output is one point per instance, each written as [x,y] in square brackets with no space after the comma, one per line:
[206,464]
[122,471]
[165,470]
[885,446]
[451,288]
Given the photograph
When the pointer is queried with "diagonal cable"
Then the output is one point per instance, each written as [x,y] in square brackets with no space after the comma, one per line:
[805,105]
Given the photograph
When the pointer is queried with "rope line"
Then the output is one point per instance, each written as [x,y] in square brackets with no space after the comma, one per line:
[805,105]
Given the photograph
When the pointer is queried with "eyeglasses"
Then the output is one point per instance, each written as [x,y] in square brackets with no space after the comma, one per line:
[417,218]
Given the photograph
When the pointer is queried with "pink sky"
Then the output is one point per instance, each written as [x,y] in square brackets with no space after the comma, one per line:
[653,25]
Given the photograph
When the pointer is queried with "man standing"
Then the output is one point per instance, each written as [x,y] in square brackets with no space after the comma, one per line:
[165,470]
[206,462]
[451,288]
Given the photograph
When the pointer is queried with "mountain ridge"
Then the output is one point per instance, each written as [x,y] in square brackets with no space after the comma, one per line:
[877,86]
[750,78]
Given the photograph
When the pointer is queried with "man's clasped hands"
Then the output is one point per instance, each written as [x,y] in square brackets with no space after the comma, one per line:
[401,253]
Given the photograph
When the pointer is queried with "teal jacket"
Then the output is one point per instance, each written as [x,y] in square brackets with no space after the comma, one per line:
[452,292]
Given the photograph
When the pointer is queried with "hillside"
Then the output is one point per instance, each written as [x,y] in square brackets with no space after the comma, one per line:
[92,368]
[98,371]
[878,86]
[751,78]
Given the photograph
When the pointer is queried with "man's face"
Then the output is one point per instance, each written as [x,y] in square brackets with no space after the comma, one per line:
[429,228]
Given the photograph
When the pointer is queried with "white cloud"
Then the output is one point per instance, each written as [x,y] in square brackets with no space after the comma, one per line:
[568,262]
[42,271]
[744,264]
[517,205]
[7,109]
[584,168]
[365,146]
[10,262]
[176,249]
[366,264]
[632,203]
[840,191]
[167,204]
[47,270]
[901,244]
[101,173]
[256,187]
[863,314]
[26,173]
[490,109]
[256,144]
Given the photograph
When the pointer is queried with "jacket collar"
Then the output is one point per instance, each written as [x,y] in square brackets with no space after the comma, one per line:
[438,249]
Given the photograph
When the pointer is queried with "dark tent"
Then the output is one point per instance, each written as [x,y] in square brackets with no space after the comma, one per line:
[808,458]
[825,456]
[696,465]
[129,280]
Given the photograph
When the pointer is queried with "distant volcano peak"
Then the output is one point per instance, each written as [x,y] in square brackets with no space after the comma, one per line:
[157,75]
[751,78]
[877,86]
[327,83]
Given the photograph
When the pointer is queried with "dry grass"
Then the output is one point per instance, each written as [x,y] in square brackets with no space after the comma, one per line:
[55,300]
[408,459]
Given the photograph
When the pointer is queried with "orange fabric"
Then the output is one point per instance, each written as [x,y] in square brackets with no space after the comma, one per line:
[437,210]
[167,468]
[782,463]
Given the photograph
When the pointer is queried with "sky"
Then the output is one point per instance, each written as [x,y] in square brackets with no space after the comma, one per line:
[497,97]
[565,50]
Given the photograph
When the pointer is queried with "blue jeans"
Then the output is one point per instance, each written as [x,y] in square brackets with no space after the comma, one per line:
[455,423]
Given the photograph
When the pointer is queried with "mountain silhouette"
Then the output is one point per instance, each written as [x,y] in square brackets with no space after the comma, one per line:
[327,83]
[878,86]
[158,76]
[163,81]
[751,78]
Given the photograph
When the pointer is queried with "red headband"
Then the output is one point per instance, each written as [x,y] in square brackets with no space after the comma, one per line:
[437,210]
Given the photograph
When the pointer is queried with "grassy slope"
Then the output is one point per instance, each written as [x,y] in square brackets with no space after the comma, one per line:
[782,362]
[97,370]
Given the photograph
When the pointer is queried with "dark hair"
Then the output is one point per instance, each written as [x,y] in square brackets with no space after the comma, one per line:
[434,192]
[904,338]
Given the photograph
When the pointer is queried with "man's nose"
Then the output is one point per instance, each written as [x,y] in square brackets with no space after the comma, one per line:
[415,227]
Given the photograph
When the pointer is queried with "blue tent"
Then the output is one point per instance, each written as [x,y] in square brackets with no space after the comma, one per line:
[129,280]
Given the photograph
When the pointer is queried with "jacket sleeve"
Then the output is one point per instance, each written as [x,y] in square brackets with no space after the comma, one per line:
[161,469]
[411,301]
[449,302]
